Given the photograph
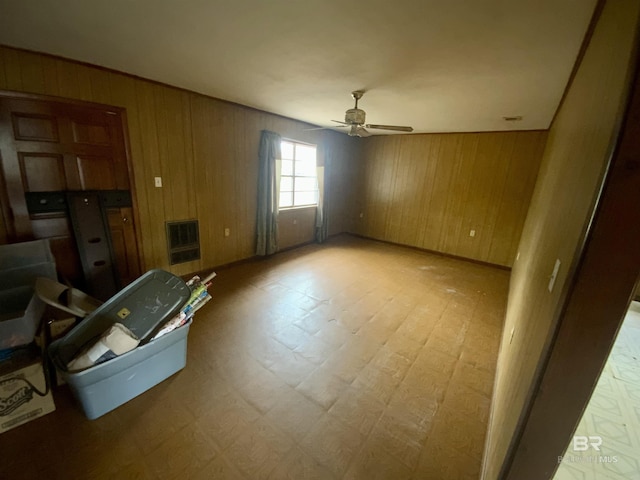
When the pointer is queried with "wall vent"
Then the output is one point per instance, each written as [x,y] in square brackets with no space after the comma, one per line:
[183,240]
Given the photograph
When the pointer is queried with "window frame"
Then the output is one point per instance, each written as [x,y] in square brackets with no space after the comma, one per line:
[293,176]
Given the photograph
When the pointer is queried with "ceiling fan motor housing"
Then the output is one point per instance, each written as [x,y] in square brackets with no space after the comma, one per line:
[354,116]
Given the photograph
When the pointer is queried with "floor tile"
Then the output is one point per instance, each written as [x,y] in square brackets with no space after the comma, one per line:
[333,444]
[352,359]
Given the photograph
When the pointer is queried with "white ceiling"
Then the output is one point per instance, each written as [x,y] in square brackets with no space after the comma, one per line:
[437,65]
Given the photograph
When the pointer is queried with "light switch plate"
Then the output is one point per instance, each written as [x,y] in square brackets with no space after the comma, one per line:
[157,181]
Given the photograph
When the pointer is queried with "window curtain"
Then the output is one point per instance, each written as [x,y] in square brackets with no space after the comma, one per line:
[322,210]
[269,157]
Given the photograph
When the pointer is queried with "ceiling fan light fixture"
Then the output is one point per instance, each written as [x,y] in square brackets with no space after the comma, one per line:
[355,116]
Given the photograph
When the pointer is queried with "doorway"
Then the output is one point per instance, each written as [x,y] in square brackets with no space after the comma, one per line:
[52,149]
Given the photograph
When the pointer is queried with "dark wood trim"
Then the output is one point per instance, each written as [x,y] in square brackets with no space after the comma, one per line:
[132,187]
[595,306]
[65,100]
[432,252]
[520,130]
[5,208]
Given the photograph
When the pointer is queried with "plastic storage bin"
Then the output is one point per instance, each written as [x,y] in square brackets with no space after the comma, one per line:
[20,309]
[105,387]
[143,307]
[20,314]
[21,263]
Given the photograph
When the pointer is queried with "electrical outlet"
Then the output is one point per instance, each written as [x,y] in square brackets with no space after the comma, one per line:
[227,232]
[554,274]
[472,233]
[361,215]
[295,221]
[157,181]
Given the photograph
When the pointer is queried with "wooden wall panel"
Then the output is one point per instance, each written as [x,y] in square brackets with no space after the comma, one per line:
[296,226]
[431,190]
[205,150]
[574,161]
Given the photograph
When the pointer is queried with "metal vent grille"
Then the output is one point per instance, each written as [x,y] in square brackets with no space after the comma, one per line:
[183,241]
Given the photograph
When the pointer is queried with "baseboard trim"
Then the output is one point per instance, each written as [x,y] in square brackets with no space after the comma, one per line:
[433,252]
[253,258]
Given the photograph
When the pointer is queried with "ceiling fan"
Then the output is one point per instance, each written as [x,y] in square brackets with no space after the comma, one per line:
[354,119]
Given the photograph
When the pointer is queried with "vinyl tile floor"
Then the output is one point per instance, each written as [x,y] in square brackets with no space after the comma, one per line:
[350,360]
[611,419]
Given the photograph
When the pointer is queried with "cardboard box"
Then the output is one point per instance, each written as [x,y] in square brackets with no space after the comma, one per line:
[22,390]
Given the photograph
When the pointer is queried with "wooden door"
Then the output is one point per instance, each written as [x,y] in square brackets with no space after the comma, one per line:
[57,146]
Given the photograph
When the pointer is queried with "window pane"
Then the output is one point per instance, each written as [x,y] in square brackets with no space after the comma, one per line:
[286,184]
[286,199]
[306,183]
[306,198]
[287,167]
[298,172]
[287,150]
[306,153]
[306,168]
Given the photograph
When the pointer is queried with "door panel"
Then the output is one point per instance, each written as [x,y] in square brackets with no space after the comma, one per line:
[90,134]
[43,128]
[42,172]
[123,240]
[96,173]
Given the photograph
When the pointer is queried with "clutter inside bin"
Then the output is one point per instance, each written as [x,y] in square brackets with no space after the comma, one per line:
[199,297]
[118,339]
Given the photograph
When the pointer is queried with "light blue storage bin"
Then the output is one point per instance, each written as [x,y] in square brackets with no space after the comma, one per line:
[102,388]
[143,307]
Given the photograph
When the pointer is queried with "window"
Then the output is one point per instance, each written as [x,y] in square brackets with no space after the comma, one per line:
[298,182]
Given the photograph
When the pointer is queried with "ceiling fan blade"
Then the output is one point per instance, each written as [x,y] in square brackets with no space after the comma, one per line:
[343,123]
[362,132]
[396,128]
[325,128]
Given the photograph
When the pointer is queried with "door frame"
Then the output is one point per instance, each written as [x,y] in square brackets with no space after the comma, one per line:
[122,112]
[596,304]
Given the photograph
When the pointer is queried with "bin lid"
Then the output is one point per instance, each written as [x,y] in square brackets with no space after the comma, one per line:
[143,307]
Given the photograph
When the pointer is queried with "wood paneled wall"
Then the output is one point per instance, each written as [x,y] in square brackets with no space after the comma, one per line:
[430,191]
[295,225]
[205,150]
[577,153]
